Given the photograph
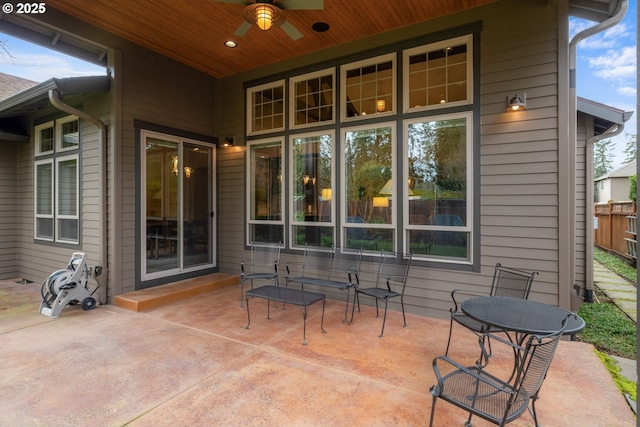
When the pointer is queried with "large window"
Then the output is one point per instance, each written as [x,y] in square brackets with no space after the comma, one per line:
[368,188]
[366,167]
[264,198]
[56,181]
[312,183]
[437,197]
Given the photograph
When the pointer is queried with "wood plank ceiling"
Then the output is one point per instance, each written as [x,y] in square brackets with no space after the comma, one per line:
[193,32]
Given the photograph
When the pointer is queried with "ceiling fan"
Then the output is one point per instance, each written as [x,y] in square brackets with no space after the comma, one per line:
[265,14]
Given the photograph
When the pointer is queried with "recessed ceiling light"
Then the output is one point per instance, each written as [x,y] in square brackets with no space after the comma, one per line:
[230,44]
[320,27]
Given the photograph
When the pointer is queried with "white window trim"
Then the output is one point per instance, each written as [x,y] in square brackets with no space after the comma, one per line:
[292,221]
[292,95]
[37,130]
[394,176]
[37,215]
[406,54]
[359,64]
[249,195]
[58,215]
[58,133]
[468,228]
[249,103]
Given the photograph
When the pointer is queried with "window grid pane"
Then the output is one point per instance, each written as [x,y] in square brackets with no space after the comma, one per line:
[438,76]
[45,140]
[313,100]
[369,89]
[268,109]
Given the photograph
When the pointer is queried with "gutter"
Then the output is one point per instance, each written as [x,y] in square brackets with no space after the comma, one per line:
[100,272]
[573,118]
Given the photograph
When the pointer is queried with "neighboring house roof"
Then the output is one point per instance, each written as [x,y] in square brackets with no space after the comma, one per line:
[624,171]
[10,85]
[37,97]
[605,116]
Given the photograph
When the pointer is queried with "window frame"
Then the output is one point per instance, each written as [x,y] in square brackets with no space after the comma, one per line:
[36,190]
[59,135]
[38,141]
[469,223]
[399,113]
[292,209]
[59,190]
[251,107]
[249,173]
[426,49]
[393,224]
[55,157]
[331,72]
[345,68]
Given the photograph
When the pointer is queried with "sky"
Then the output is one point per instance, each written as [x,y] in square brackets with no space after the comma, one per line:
[606,68]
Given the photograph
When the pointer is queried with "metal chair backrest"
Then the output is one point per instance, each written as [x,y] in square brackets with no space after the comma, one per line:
[264,258]
[511,282]
[393,268]
[332,263]
[538,354]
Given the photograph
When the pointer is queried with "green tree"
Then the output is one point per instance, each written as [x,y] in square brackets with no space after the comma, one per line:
[631,148]
[632,188]
[601,157]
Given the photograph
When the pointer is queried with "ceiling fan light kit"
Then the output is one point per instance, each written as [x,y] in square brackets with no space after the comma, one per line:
[264,16]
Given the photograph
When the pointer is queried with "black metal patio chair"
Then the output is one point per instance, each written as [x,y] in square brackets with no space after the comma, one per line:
[507,282]
[485,395]
[393,269]
[263,265]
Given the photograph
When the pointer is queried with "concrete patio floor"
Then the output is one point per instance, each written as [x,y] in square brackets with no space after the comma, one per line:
[192,362]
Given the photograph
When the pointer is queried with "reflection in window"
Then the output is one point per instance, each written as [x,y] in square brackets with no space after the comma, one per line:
[67,203]
[265,192]
[369,88]
[438,177]
[313,99]
[312,176]
[69,133]
[438,74]
[370,197]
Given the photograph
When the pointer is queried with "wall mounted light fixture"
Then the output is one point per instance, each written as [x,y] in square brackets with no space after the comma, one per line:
[516,103]
[227,142]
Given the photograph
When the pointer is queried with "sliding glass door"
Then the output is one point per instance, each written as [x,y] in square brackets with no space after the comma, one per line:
[177,205]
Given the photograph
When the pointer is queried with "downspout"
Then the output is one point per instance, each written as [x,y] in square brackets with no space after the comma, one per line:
[573,118]
[100,274]
[611,132]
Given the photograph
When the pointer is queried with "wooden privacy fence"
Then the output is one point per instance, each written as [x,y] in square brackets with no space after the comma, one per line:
[616,227]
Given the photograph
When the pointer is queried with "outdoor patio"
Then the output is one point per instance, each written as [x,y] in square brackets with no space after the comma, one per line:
[192,362]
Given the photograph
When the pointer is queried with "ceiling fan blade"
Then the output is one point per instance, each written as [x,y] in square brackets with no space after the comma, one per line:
[300,4]
[291,31]
[242,29]
[242,2]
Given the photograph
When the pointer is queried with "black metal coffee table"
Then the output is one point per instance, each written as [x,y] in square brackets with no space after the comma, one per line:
[288,296]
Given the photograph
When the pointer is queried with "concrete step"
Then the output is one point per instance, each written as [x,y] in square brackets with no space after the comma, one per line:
[147,299]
